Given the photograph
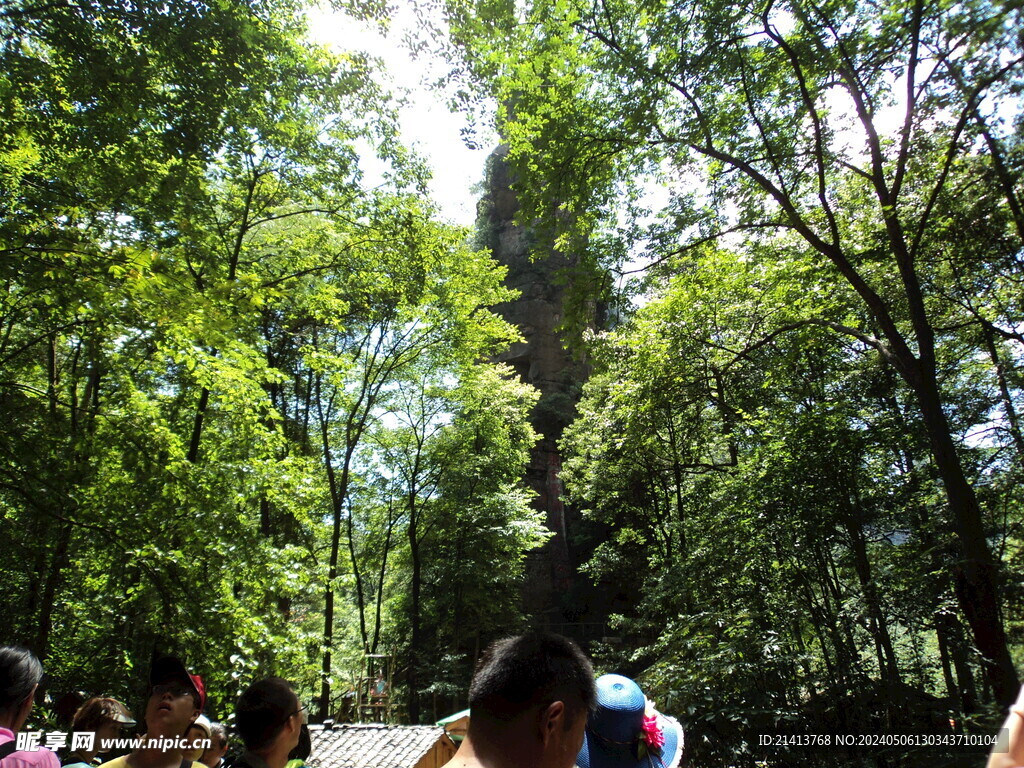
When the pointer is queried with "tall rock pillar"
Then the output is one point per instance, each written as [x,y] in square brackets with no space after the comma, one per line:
[542,359]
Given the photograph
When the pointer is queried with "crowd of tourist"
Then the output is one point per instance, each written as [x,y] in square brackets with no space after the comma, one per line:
[534,703]
[269,720]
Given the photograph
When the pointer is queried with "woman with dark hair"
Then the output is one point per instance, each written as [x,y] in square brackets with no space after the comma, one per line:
[20,673]
[102,717]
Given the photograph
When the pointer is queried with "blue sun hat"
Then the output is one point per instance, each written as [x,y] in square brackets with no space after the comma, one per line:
[625,731]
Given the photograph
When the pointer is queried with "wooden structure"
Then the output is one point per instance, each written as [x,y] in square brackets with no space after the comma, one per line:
[457,725]
[373,692]
[379,746]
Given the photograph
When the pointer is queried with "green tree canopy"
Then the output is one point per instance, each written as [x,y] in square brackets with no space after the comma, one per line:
[848,128]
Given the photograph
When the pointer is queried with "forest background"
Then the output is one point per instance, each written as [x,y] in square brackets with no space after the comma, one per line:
[253,415]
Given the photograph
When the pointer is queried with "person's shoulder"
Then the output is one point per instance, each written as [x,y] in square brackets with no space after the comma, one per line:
[117,762]
[37,758]
[41,757]
[248,760]
[45,758]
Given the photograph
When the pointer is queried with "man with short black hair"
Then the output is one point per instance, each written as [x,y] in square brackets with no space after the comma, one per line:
[528,704]
[269,719]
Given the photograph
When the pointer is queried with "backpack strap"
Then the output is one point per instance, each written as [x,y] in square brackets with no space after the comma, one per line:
[8,749]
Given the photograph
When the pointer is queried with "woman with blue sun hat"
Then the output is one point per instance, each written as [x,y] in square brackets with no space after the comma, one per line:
[626,731]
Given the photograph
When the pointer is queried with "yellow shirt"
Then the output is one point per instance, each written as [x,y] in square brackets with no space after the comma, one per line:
[122,762]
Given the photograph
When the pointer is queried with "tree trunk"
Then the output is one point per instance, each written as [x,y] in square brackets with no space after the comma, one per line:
[677,481]
[974,573]
[197,426]
[1012,421]
[947,670]
[887,664]
[332,574]
[950,631]
[415,640]
[380,580]
[53,578]
[324,703]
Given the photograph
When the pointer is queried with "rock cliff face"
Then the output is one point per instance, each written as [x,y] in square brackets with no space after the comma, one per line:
[542,360]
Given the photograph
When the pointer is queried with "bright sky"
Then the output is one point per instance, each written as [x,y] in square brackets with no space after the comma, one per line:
[427,124]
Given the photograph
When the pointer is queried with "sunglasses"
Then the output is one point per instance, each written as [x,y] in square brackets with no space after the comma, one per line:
[175,689]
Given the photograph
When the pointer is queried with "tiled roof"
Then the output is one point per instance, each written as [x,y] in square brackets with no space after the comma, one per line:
[372,746]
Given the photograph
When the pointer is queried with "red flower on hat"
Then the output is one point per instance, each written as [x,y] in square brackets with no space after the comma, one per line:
[651,733]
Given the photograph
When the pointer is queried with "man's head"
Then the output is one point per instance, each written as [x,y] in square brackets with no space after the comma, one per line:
[269,716]
[532,693]
[176,698]
[20,673]
[218,746]
[169,670]
[304,748]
